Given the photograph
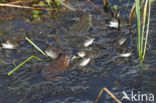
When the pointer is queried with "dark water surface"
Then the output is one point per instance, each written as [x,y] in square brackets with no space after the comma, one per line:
[69,29]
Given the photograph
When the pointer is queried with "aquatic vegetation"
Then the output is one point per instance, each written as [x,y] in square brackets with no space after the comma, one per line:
[60,2]
[95,6]
[29,57]
[35,13]
[147,30]
[106,69]
[35,46]
[24,63]
[57,2]
[100,93]
[65,59]
[142,37]
[138,26]
[131,13]
[41,3]
[115,7]
[14,4]
[106,4]
[141,40]
[127,4]
[48,1]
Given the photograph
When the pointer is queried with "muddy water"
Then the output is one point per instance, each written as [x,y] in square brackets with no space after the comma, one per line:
[68,30]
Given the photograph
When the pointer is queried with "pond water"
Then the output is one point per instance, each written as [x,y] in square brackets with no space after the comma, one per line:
[67,30]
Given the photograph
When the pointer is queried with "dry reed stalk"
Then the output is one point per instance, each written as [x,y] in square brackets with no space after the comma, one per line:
[18,1]
[95,6]
[23,7]
[105,89]
[131,14]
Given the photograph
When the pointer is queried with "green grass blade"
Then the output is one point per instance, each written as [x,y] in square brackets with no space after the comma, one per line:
[35,45]
[138,27]
[24,63]
[127,5]
[143,27]
[99,95]
[147,31]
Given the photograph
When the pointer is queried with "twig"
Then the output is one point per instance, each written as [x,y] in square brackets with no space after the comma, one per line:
[19,1]
[112,95]
[67,6]
[105,89]
[95,6]
[23,7]
[105,5]
[131,14]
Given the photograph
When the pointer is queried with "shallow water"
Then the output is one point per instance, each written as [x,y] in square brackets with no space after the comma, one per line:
[74,85]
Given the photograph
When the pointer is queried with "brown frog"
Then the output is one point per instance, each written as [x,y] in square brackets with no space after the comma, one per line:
[55,67]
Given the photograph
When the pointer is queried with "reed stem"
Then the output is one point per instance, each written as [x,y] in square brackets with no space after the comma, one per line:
[138,27]
[24,63]
[147,31]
